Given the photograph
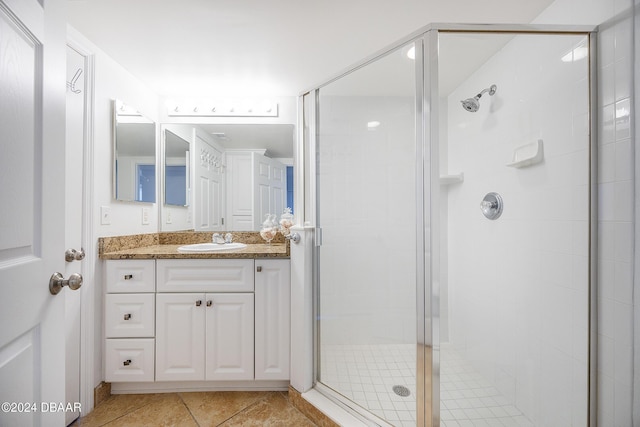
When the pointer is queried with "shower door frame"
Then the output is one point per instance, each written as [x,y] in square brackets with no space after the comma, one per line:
[427,177]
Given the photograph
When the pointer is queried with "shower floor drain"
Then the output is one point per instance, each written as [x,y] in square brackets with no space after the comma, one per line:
[401,390]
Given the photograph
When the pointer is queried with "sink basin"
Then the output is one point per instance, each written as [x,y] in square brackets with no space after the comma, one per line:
[211,247]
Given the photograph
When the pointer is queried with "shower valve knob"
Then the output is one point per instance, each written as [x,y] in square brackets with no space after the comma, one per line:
[492,206]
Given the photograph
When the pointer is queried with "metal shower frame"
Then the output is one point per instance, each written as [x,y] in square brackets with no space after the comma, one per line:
[427,137]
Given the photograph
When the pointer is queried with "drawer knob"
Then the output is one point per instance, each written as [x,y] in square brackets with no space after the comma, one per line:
[127,316]
[128,276]
[127,362]
[209,303]
[198,303]
[259,268]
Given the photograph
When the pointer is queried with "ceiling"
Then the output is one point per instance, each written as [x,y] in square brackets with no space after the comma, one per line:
[276,139]
[260,48]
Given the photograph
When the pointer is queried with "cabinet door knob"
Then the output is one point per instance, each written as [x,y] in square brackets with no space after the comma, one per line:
[209,303]
[127,362]
[127,316]
[259,269]
[198,303]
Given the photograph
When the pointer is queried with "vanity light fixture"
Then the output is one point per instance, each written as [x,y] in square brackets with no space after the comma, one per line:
[222,108]
[126,110]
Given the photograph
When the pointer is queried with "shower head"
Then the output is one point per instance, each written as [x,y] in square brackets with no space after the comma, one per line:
[472,104]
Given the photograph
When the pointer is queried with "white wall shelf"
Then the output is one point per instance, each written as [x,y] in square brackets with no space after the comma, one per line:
[527,155]
[451,179]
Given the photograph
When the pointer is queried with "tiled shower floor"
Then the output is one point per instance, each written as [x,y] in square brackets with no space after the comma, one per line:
[366,375]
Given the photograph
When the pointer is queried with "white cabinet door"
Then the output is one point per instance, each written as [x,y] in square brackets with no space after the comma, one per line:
[272,315]
[180,337]
[229,328]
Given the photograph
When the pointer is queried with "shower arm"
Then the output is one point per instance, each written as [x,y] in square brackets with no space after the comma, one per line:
[491,91]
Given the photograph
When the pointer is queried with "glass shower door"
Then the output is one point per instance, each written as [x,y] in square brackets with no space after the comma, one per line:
[514,289]
[366,209]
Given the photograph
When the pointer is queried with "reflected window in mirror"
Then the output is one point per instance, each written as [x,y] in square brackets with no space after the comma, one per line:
[134,147]
[290,188]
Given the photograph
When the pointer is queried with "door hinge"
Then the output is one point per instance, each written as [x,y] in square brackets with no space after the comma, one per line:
[318,237]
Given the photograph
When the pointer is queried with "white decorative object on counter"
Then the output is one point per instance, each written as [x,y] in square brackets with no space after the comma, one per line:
[286,222]
[269,228]
[527,155]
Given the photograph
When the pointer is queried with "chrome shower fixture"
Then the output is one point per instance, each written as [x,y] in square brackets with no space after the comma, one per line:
[472,105]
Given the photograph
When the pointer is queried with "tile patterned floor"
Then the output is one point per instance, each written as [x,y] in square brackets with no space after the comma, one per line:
[196,409]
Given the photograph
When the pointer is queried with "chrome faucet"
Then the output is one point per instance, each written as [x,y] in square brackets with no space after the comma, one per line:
[217,238]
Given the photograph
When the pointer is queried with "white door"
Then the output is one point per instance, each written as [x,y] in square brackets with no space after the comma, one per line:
[208,183]
[32,83]
[75,131]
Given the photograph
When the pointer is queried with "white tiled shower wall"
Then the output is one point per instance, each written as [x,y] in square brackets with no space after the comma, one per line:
[615,222]
[518,286]
[616,285]
[616,149]
[367,299]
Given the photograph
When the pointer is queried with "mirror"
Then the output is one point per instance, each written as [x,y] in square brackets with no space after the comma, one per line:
[134,166]
[176,170]
[233,174]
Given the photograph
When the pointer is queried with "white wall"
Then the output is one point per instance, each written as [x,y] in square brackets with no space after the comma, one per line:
[617,63]
[111,82]
[114,82]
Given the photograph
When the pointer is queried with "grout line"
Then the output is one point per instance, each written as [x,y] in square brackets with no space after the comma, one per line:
[193,417]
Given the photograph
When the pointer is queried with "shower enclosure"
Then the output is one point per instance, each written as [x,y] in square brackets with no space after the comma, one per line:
[451,194]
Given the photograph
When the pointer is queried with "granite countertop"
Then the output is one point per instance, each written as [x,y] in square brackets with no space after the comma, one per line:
[165,246]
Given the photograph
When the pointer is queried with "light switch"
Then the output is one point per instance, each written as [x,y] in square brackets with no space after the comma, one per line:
[145,216]
[105,215]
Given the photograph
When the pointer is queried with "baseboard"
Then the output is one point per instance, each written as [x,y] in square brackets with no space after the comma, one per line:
[101,393]
[310,411]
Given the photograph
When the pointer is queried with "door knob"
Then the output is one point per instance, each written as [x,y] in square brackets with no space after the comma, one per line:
[74,255]
[57,282]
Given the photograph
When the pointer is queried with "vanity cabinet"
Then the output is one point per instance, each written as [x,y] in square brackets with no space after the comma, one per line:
[129,320]
[205,320]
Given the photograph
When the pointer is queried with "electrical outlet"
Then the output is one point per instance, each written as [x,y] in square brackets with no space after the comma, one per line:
[145,216]
[105,215]
[168,217]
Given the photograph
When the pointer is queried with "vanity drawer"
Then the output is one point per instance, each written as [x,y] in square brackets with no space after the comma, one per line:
[130,276]
[129,315]
[129,360]
[205,275]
